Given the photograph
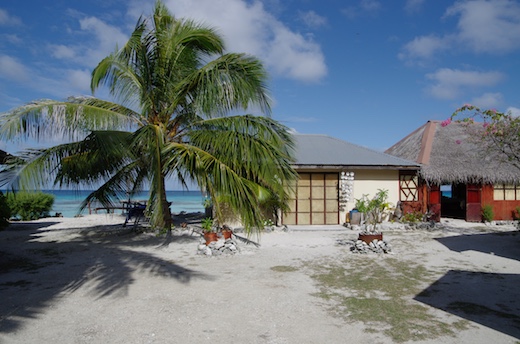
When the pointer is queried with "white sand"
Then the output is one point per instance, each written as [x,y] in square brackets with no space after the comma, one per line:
[96,282]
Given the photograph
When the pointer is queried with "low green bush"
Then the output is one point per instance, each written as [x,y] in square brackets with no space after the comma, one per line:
[30,205]
[487,213]
[5,212]
[412,217]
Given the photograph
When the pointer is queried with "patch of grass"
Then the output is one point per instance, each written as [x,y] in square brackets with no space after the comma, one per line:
[379,292]
[284,268]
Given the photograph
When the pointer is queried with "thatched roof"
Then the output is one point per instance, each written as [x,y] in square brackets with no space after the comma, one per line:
[452,154]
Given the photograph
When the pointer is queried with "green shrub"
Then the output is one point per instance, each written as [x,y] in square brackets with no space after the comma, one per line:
[412,217]
[5,212]
[30,205]
[487,213]
[516,214]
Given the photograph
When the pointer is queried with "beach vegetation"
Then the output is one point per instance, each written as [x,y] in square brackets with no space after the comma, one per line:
[177,112]
[29,206]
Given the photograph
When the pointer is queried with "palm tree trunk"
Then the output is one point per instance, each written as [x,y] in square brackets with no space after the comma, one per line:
[167,221]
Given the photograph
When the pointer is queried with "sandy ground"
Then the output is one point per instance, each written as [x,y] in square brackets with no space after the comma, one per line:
[88,280]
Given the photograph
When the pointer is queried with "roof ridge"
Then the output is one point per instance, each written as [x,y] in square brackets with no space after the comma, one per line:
[427,142]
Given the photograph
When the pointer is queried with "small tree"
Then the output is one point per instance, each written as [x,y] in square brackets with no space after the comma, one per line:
[500,135]
[29,205]
[376,209]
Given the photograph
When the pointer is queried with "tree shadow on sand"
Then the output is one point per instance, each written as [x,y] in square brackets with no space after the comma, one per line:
[489,299]
[34,272]
[503,244]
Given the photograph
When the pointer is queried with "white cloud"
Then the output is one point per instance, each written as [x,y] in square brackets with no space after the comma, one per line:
[370,5]
[450,83]
[413,6]
[424,47]
[106,39]
[60,51]
[8,101]
[8,20]
[13,39]
[79,79]
[364,7]
[488,100]
[483,27]
[293,56]
[63,83]
[249,28]
[312,19]
[488,26]
[95,40]
[513,111]
[13,70]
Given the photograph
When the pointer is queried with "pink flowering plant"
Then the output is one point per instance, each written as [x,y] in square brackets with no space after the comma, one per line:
[501,131]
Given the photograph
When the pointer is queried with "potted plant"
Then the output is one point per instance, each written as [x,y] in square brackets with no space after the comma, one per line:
[357,215]
[375,211]
[226,232]
[209,234]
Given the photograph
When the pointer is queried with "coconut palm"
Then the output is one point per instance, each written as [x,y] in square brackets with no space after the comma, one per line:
[177,95]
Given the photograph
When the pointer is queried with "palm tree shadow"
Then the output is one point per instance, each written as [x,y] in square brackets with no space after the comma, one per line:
[33,272]
[489,299]
[503,244]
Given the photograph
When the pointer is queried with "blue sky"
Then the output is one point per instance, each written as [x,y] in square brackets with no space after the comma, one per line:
[364,71]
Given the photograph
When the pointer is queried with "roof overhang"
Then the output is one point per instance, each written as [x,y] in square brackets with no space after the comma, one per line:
[355,167]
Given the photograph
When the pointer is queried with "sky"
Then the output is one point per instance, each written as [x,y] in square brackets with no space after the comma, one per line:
[364,71]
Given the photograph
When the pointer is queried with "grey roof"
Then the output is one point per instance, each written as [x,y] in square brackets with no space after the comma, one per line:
[454,153]
[323,150]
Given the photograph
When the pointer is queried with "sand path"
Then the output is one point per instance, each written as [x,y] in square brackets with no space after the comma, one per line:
[88,280]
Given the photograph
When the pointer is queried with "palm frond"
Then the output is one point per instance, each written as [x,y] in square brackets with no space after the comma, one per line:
[230,82]
[243,160]
[71,119]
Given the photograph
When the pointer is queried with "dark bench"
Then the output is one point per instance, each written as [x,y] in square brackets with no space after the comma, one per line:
[136,211]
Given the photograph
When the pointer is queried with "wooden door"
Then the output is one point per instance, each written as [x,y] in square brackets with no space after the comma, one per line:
[315,200]
[434,203]
[473,204]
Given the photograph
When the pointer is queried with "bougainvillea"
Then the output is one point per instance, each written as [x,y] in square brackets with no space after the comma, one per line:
[500,134]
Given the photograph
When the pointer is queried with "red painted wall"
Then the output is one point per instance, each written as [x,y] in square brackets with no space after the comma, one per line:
[503,209]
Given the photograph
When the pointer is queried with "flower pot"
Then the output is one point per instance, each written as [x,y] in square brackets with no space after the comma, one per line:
[226,234]
[210,237]
[369,237]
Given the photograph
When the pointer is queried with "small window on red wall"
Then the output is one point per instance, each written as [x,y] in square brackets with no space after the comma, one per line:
[408,186]
[506,192]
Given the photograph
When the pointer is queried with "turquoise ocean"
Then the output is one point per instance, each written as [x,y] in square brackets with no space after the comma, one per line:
[67,202]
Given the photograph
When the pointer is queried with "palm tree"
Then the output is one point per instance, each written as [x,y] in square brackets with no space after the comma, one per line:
[175,90]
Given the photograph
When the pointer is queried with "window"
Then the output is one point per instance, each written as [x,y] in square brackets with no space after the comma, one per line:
[506,192]
[408,187]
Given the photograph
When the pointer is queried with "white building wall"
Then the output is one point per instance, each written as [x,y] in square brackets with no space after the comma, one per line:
[369,182]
